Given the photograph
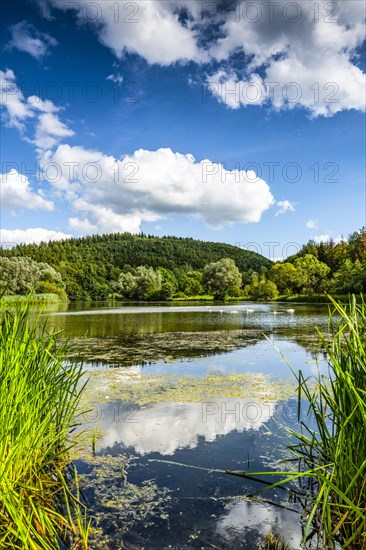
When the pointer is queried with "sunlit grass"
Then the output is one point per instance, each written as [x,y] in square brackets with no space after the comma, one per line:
[333,453]
[39,501]
[330,448]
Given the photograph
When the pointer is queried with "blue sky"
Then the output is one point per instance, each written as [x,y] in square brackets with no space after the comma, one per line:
[183,118]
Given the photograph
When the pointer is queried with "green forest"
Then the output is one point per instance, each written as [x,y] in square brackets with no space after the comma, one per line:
[145,267]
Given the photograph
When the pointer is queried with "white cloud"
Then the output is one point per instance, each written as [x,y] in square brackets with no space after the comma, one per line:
[26,38]
[228,89]
[326,238]
[293,55]
[13,101]
[306,63]
[150,28]
[38,104]
[49,130]
[16,192]
[312,224]
[116,78]
[118,195]
[285,206]
[12,237]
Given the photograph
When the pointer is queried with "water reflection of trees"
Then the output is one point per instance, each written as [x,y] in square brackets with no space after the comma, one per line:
[142,337]
[310,342]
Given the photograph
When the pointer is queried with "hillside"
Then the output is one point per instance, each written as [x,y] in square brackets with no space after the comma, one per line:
[89,264]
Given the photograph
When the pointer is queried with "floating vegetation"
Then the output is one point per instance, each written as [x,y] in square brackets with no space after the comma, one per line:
[116,384]
[117,504]
[166,346]
[330,456]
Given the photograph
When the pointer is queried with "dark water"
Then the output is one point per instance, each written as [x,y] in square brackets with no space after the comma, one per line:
[148,502]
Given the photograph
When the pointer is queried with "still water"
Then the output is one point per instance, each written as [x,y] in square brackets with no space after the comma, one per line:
[176,392]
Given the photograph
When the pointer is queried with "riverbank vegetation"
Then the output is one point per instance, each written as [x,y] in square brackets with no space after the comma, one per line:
[330,448]
[332,454]
[33,299]
[19,275]
[39,505]
[143,268]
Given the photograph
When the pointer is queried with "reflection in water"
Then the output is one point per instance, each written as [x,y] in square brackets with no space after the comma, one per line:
[241,431]
[128,335]
[165,427]
[243,517]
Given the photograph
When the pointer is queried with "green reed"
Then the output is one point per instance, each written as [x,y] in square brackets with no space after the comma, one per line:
[332,455]
[330,448]
[39,496]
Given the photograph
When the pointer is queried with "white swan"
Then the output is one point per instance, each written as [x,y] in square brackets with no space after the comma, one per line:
[290,310]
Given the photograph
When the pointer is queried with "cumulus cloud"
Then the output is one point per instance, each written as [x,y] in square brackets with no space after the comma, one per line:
[49,129]
[307,58]
[228,89]
[12,101]
[285,206]
[26,38]
[111,194]
[38,104]
[149,28]
[12,237]
[326,238]
[312,224]
[16,192]
[294,54]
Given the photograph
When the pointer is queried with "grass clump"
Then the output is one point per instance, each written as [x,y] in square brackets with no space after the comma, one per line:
[332,455]
[330,448]
[39,501]
[274,542]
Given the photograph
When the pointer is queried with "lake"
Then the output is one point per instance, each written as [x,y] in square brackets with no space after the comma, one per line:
[204,386]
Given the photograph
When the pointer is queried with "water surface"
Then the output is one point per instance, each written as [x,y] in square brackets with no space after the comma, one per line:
[198,385]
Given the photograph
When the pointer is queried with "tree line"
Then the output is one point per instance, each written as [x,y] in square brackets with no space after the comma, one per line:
[151,268]
[91,266]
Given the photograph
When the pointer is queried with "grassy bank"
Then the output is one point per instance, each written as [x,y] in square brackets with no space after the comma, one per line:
[317,298]
[198,298]
[33,299]
[39,398]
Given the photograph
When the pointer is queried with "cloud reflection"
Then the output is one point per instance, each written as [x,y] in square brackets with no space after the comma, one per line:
[166,427]
[245,516]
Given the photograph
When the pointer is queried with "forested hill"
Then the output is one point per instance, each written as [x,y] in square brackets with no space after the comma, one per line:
[92,262]
[117,250]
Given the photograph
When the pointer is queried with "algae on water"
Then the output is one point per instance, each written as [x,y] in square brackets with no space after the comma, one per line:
[117,384]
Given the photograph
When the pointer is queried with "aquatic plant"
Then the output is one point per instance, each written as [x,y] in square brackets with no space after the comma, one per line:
[39,494]
[332,455]
[330,448]
[273,542]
